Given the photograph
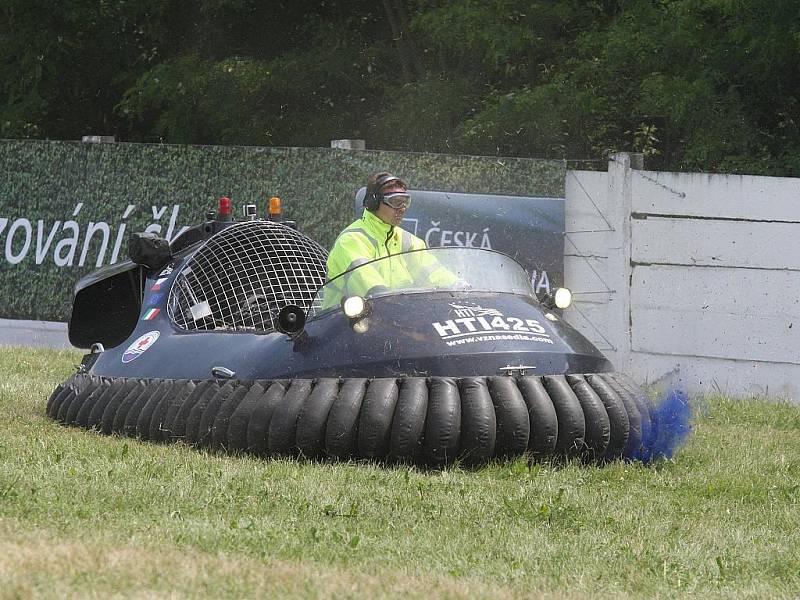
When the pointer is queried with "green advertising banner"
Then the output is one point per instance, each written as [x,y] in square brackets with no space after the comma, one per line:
[67,208]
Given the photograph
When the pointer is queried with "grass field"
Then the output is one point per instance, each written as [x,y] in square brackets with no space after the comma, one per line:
[84,515]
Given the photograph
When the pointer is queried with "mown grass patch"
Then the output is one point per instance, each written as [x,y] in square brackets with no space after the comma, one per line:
[82,514]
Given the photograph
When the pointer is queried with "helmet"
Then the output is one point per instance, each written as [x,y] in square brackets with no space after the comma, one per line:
[375,189]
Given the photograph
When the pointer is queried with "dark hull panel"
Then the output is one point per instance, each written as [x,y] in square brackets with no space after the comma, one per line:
[410,335]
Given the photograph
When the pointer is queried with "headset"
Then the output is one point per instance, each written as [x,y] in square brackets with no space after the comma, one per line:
[373,198]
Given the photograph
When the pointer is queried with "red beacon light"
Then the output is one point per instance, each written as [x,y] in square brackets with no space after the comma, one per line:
[225,209]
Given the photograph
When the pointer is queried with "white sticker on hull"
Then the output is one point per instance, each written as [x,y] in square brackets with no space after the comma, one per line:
[474,323]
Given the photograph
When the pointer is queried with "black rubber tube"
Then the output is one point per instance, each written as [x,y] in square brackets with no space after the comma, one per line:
[240,419]
[542,417]
[478,421]
[408,423]
[219,429]
[643,403]
[180,393]
[313,417]
[128,415]
[513,423]
[163,388]
[81,393]
[56,396]
[375,421]
[110,411]
[81,400]
[196,414]
[442,422]
[156,425]
[82,415]
[633,446]
[66,393]
[203,438]
[598,425]
[617,416]
[180,420]
[71,411]
[70,389]
[571,423]
[282,436]
[261,417]
[64,400]
[342,429]
[210,413]
[119,389]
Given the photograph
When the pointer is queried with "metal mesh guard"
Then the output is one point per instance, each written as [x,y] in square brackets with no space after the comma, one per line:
[242,276]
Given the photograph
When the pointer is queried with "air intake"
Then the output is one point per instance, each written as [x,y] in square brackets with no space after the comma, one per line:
[242,276]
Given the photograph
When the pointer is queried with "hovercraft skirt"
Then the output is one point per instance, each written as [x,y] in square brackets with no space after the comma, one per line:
[425,421]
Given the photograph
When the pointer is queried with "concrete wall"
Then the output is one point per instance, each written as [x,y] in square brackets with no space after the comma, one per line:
[688,278]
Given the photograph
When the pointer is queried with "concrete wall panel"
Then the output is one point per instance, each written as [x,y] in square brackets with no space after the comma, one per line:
[724,376]
[586,318]
[742,314]
[717,196]
[586,274]
[680,333]
[716,243]
[586,191]
[739,292]
[705,271]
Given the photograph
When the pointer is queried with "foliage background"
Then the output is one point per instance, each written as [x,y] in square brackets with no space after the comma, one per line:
[696,85]
[46,180]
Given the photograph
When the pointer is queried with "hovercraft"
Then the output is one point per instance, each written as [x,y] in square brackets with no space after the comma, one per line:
[231,338]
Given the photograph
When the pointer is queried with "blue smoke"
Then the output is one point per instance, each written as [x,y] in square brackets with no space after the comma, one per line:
[667,430]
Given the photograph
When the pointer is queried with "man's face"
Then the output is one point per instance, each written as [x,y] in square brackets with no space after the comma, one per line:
[394,204]
[392,216]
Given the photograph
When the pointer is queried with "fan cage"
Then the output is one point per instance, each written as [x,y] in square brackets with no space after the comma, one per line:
[242,276]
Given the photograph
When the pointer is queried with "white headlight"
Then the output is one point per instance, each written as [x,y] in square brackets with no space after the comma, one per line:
[563,298]
[353,306]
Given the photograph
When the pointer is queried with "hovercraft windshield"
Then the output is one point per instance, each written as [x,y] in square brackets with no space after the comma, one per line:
[453,269]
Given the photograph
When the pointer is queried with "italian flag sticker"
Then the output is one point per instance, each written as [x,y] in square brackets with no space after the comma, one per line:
[151,314]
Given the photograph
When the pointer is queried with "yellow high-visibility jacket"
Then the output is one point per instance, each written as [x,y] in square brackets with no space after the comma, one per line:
[367,239]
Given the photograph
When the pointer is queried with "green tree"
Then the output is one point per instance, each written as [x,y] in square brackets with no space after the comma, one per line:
[694,84]
[64,65]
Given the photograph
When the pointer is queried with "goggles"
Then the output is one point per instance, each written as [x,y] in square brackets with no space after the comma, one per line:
[397,200]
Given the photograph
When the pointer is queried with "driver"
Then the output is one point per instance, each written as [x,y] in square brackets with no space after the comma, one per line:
[378,234]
